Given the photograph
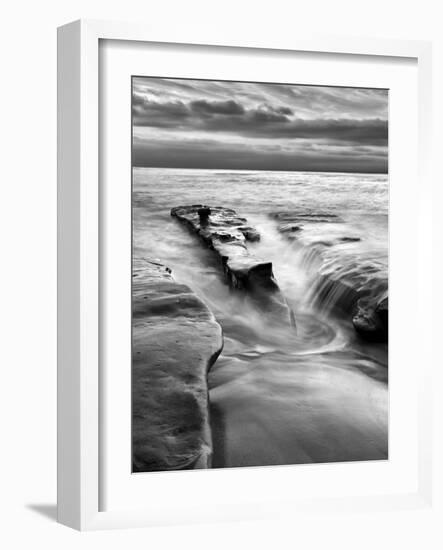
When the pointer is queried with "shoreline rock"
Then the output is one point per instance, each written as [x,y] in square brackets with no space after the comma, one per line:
[369,313]
[291,224]
[372,322]
[175,341]
[355,296]
[226,233]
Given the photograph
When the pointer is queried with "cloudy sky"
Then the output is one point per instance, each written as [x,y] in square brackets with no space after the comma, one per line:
[238,125]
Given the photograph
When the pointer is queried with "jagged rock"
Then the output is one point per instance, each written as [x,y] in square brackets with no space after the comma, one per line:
[372,322]
[226,233]
[175,340]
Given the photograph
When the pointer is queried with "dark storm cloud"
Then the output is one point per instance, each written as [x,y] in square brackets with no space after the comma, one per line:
[170,114]
[229,107]
[264,116]
[193,123]
[284,110]
[273,123]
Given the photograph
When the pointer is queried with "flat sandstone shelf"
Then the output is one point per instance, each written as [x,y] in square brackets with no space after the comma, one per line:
[175,340]
[226,233]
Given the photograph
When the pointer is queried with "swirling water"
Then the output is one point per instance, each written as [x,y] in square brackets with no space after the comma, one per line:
[317,394]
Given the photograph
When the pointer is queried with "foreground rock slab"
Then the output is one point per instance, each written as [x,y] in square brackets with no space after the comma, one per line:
[175,340]
[226,233]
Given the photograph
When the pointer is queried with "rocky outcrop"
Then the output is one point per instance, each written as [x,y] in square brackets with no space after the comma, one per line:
[359,297]
[290,223]
[223,231]
[345,281]
[371,321]
[175,340]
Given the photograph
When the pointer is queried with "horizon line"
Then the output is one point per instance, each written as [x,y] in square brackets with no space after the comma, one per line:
[386,173]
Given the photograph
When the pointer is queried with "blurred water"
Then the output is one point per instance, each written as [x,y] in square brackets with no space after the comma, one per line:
[278,396]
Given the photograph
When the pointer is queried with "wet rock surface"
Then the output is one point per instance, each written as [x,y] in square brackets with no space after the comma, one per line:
[290,223]
[371,320]
[175,340]
[227,234]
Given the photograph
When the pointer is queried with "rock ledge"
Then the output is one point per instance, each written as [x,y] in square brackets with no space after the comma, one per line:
[223,231]
[175,340]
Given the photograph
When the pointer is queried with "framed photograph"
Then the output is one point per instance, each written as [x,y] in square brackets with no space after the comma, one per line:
[239,310]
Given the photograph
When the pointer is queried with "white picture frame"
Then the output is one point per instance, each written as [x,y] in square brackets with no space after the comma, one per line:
[79,365]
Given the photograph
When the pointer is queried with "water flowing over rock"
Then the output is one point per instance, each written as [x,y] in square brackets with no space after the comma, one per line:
[223,231]
[175,341]
[345,280]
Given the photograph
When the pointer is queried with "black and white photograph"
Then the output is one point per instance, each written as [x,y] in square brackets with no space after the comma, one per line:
[259,274]
[222,275]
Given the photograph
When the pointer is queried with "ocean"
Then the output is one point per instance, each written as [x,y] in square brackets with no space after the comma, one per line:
[319,394]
